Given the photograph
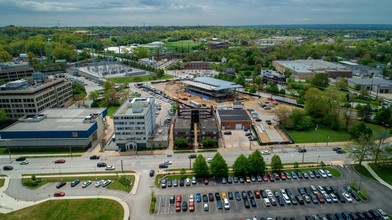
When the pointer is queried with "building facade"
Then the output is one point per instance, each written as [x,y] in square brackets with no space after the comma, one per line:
[19,98]
[195,125]
[56,128]
[11,71]
[377,85]
[134,123]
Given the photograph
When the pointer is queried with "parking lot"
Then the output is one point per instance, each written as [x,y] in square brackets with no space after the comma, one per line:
[165,210]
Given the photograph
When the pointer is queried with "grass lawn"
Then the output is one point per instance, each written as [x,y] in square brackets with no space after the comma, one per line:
[2,182]
[384,171]
[180,44]
[111,110]
[378,131]
[42,181]
[126,184]
[363,171]
[322,135]
[70,209]
[142,78]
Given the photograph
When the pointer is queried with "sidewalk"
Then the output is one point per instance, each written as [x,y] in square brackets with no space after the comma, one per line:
[371,171]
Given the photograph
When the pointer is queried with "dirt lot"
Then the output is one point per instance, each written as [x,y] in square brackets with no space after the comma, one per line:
[266,132]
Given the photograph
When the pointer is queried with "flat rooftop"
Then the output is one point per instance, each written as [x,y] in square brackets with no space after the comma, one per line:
[209,83]
[233,115]
[129,106]
[58,120]
[370,81]
[309,66]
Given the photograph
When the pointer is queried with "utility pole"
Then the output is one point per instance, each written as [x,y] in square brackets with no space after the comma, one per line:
[122,167]
[315,135]
[303,154]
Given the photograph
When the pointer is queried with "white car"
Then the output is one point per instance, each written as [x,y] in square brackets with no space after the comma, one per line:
[24,162]
[106,183]
[226,204]
[205,207]
[167,162]
[209,160]
[110,168]
[347,197]
[98,183]
[191,198]
[87,183]
[265,152]
[328,173]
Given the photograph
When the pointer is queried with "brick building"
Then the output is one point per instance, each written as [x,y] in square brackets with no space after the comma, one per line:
[233,119]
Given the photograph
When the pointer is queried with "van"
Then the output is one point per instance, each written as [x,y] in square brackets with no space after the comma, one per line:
[267,202]
[226,204]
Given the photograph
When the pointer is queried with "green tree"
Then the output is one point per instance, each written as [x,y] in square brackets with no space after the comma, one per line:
[93,95]
[182,173]
[276,163]
[200,167]
[361,148]
[296,165]
[341,84]
[360,130]
[180,142]
[218,166]
[283,114]
[364,112]
[78,88]
[301,121]
[241,165]
[314,102]
[256,162]
[209,142]
[3,115]
[320,80]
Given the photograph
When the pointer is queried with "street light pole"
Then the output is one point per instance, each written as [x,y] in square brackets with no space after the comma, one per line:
[327,140]
[303,154]
[318,159]
[315,135]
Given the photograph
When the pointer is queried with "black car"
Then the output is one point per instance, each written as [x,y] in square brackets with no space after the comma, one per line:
[169,183]
[230,195]
[244,195]
[246,203]
[211,197]
[192,156]
[163,165]
[301,150]
[184,206]
[101,164]
[217,196]
[237,196]
[355,196]
[181,182]
[253,202]
[94,157]
[20,159]
[8,168]
[75,182]
[60,184]
[205,198]
[280,201]
[263,194]
[152,172]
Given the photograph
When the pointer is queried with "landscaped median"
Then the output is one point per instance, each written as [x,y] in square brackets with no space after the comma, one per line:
[121,181]
[70,209]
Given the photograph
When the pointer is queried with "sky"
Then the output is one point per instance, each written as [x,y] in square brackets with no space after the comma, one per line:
[192,12]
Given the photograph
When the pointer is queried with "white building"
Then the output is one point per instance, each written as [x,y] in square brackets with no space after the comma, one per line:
[134,123]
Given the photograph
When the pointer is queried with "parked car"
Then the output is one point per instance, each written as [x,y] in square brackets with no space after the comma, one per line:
[58,194]
[98,183]
[60,184]
[94,157]
[86,183]
[205,198]
[101,164]
[237,196]
[198,197]
[265,152]
[59,161]
[110,168]
[20,159]
[75,182]
[227,132]
[106,183]
[178,206]
[8,167]
[152,172]
[205,207]
[163,165]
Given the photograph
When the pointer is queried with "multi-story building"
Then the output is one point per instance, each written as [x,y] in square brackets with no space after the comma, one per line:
[195,125]
[134,123]
[20,98]
[11,71]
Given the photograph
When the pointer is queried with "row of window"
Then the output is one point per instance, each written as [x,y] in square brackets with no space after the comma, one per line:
[130,128]
[128,123]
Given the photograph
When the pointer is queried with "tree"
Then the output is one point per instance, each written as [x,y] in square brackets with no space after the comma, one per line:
[364,112]
[276,163]
[182,173]
[361,148]
[78,88]
[3,115]
[384,116]
[320,80]
[296,165]
[200,167]
[283,114]
[93,95]
[180,142]
[218,166]
[241,166]
[256,162]
[209,142]
[341,84]
[301,121]
[360,130]
[314,102]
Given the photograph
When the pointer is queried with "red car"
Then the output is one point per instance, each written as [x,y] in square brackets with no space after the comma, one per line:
[257,194]
[320,197]
[282,176]
[58,194]
[265,177]
[178,206]
[191,206]
[101,164]
[178,199]
[205,181]
[59,161]
[271,177]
